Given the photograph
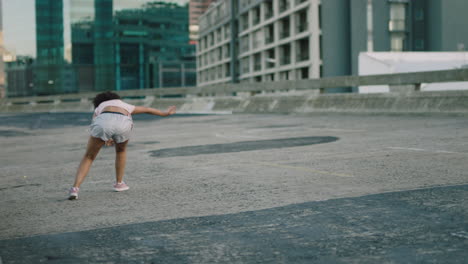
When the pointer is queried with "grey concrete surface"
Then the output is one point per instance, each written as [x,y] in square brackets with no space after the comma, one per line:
[359,188]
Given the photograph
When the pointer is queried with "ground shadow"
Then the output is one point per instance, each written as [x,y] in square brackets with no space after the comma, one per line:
[241,146]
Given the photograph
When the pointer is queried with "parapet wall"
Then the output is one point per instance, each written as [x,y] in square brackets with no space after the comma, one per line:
[292,102]
[302,96]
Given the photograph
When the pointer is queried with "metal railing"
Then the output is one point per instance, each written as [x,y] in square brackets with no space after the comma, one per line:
[398,79]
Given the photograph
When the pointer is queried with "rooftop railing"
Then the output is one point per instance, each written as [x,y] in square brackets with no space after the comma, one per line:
[411,81]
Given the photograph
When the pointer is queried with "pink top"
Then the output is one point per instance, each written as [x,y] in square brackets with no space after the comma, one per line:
[116,102]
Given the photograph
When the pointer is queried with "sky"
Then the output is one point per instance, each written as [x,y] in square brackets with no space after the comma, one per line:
[19,30]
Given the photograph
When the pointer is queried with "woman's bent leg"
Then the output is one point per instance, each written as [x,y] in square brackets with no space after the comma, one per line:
[120,160]
[94,145]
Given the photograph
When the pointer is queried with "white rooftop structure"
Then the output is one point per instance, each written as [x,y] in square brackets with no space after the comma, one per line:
[371,63]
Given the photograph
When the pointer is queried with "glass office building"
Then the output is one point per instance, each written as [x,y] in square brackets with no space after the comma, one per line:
[49,45]
[97,45]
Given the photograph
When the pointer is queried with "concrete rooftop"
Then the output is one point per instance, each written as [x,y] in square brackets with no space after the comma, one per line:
[315,188]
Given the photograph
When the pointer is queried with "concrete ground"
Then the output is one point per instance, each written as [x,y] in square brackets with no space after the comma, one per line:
[318,188]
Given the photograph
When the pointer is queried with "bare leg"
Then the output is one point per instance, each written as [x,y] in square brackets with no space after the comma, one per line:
[94,145]
[120,160]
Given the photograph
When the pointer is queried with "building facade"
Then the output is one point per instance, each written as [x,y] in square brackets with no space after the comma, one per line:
[196,9]
[152,47]
[348,28]
[270,40]
[19,76]
[49,47]
[97,45]
[2,53]
[273,40]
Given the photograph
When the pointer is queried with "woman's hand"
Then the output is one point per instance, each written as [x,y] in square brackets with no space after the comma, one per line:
[110,142]
[171,110]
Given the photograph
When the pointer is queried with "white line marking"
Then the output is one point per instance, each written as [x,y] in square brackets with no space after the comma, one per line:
[237,136]
[301,169]
[427,150]
[400,148]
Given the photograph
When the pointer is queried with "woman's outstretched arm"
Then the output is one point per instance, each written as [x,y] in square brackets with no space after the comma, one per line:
[153,111]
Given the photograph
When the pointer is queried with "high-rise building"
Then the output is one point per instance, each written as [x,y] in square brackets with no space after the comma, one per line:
[196,9]
[265,40]
[132,45]
[80,45]
[256,41]
[19,74]
[48,70]
[95,45]
[152,47]
[104,45]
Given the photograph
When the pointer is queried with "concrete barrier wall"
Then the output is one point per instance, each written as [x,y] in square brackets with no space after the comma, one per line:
[304,96]
[305,102]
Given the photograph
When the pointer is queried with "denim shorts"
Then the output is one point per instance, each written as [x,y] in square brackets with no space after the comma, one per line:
[114,126]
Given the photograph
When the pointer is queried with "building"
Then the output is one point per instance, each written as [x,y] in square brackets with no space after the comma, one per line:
[96,45]
[270,40]
[2,53]
[122,45]
[19,81]
[48,70]
[196,9]
[371,63]
[259,40]
[352,27]
[152,47]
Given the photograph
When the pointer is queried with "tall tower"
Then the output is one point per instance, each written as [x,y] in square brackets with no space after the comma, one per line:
[49,47]
[104,46]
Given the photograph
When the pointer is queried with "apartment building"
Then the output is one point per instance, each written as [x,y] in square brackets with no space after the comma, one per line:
[297,39]
[196,9]
[259,40]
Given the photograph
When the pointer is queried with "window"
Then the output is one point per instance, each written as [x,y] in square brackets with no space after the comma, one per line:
[285,54]
[284,28]
[257,39]
[244,22]
[302,49]
[227,69]
[301,21]
[283,5]
[257,62]
[227,50]
[419,14]
[245,65]
[303,73]
[245,44]
[397,26]
[397,17]
[284,75]
[227,31]
[270,59]
[396,42]
[219,35]
[256,15]
[268,9]
[298,2]
[269,34]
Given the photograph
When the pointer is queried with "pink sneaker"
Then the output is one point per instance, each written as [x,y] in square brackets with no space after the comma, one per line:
[119,187]
[73,193]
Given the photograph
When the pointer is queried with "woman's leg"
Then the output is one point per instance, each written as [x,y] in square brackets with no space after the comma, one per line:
[94,145]
[120,160]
